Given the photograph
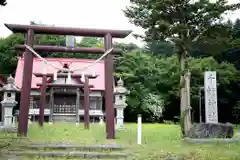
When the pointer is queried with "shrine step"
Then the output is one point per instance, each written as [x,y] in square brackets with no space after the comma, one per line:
[64,118]
[101,147]
[72,154]
[65,150]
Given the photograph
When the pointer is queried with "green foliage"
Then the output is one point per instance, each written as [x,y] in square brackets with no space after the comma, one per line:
[180,21]
[91,42]
[236,111]
[160,48]
[126,48]
[8,54]
[183,22]
[145,75]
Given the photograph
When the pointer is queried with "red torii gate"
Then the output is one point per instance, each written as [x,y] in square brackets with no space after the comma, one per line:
[85,86]
[28,65]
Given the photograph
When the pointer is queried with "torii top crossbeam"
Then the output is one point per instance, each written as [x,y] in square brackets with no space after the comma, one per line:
[17,28]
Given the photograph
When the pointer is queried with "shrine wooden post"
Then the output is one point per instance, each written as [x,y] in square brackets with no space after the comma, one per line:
[42,100]
[110,127]
[28,64]
[42,97]
[86,103]
[86,86]
[26,86]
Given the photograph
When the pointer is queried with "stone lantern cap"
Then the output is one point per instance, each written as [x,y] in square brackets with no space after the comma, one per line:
[10,86]
[120,89]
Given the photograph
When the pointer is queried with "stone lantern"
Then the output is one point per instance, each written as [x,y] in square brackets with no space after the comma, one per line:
[9,101]
[120,103]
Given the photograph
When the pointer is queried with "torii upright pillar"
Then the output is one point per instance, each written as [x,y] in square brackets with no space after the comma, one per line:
[110,126]
[26,88]
[86,103]
[42,100]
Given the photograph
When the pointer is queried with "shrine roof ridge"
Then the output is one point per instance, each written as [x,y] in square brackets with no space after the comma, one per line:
[48,48]
[65,85]
[18,28]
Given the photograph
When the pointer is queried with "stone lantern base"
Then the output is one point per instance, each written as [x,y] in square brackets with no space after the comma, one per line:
[119,120]
[8,129]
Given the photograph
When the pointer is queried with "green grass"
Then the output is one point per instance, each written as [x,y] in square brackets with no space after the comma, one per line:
[159,141]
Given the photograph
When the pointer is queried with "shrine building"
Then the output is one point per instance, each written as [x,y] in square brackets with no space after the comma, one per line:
[64,99]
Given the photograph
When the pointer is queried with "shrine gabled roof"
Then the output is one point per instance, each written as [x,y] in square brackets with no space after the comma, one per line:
[73,63]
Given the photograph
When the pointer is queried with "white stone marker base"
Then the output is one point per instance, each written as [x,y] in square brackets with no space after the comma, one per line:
[101,120]
[29,120]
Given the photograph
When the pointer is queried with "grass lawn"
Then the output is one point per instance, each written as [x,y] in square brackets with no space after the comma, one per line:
[159,141]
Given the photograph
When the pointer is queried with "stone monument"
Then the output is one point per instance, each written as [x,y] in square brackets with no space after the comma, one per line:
[210,93]
[9,95]
[211,128]
[120,103]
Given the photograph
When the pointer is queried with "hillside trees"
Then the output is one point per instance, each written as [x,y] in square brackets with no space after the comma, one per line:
[147,76]
[182,22]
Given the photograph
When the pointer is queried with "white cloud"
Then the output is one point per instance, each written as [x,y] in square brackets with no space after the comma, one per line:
[105,14]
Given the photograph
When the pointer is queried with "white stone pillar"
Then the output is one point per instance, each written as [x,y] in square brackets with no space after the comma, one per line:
[29,119]
[101,120]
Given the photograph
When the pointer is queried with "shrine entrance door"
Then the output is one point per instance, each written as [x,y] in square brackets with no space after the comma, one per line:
[64,104]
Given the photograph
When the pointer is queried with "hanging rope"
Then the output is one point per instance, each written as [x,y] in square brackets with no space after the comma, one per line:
[44,60]
[66,69]
[96,61]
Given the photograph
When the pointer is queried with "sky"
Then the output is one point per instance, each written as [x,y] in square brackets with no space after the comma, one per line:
[104,14]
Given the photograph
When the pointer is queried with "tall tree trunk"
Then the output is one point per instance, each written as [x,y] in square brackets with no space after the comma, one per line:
[185,106]
[182,94]
[188,121]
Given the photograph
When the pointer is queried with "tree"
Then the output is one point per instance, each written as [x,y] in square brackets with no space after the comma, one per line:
[140,73]
[8,54]
[153,79]
[3,2]
[126,48]
[160,48]
[232,44]
[182,22]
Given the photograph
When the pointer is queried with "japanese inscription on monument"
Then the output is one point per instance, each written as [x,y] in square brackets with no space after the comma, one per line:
[210,89]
